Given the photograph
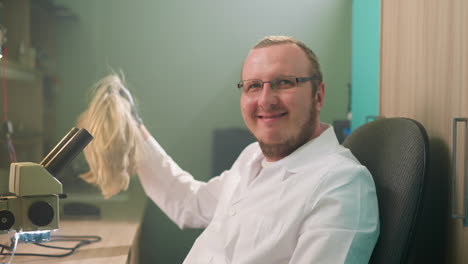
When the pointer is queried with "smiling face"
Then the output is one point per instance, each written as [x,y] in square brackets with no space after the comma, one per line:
[281,121]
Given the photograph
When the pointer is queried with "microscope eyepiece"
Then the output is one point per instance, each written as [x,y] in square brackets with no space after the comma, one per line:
[66,150]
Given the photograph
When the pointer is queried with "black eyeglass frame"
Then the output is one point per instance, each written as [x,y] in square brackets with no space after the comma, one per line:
[314,77]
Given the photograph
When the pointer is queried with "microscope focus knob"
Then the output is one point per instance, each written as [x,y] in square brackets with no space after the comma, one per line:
[7,220]
[41,213]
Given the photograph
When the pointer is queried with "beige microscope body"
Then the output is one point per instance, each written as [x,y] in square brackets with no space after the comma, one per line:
[34,200]
[31,202]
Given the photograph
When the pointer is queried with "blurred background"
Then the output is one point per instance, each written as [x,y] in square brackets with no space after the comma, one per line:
[181,60]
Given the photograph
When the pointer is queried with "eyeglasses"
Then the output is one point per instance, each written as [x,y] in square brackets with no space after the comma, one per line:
[254,86]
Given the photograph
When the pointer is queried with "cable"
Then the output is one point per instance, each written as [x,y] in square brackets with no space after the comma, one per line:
[13,249]
[4,87]
[82,241]
[11,149]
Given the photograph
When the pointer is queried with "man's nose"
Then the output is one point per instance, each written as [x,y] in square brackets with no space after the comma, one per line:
[267,96]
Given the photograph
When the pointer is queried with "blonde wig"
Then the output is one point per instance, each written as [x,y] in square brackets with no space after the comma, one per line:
[112,155]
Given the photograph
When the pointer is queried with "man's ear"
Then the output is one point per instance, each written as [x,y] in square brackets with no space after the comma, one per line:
[320,96]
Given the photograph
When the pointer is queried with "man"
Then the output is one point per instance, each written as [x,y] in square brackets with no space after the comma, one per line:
[295,196]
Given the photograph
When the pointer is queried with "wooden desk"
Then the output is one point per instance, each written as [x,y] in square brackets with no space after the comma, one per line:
[117,238]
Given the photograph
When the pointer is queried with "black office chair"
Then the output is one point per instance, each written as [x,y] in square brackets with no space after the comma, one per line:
[395,150]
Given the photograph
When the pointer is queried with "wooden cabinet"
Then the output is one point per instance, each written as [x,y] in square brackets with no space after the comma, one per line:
[28,74]
[25,110]
[424,76]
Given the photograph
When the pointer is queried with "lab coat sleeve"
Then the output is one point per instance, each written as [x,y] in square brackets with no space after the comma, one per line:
[186,201]
[341,224]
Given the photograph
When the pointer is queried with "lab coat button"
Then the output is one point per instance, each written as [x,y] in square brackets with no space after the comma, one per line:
[232,211]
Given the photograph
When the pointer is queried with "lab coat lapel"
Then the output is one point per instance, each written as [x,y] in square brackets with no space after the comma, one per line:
[265,179]
[322,145]
[247,173]
[270,175]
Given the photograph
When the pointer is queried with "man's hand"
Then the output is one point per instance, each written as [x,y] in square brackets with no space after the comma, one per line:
[125,93]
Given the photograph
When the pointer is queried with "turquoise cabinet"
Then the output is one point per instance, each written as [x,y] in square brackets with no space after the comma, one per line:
[365,60]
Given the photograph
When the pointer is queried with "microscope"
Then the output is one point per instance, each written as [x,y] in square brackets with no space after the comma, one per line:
[31,203]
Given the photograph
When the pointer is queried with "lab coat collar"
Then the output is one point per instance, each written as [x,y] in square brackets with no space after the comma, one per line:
[322,145]
[282,169]
[255,175]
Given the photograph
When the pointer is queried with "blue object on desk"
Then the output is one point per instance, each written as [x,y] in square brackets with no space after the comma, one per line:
[34,237]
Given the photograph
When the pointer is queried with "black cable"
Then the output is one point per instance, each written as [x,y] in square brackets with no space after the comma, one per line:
[70,239]
[48,246]
[82,241]
[9,248]
[1,251]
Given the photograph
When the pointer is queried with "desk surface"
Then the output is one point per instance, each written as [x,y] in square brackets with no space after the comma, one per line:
[117,238]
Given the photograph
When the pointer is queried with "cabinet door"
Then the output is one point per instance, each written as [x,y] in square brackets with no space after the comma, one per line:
[424,77]
[25,111]
[462,32]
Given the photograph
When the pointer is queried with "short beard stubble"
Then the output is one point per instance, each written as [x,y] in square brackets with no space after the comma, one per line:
[284,149]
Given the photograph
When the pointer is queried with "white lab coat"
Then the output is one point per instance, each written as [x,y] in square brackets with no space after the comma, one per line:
[318,205]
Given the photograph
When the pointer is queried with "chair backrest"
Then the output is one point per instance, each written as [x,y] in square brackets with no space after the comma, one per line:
[395,150]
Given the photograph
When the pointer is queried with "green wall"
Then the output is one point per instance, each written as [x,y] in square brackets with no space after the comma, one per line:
[365,62]
[182,60]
